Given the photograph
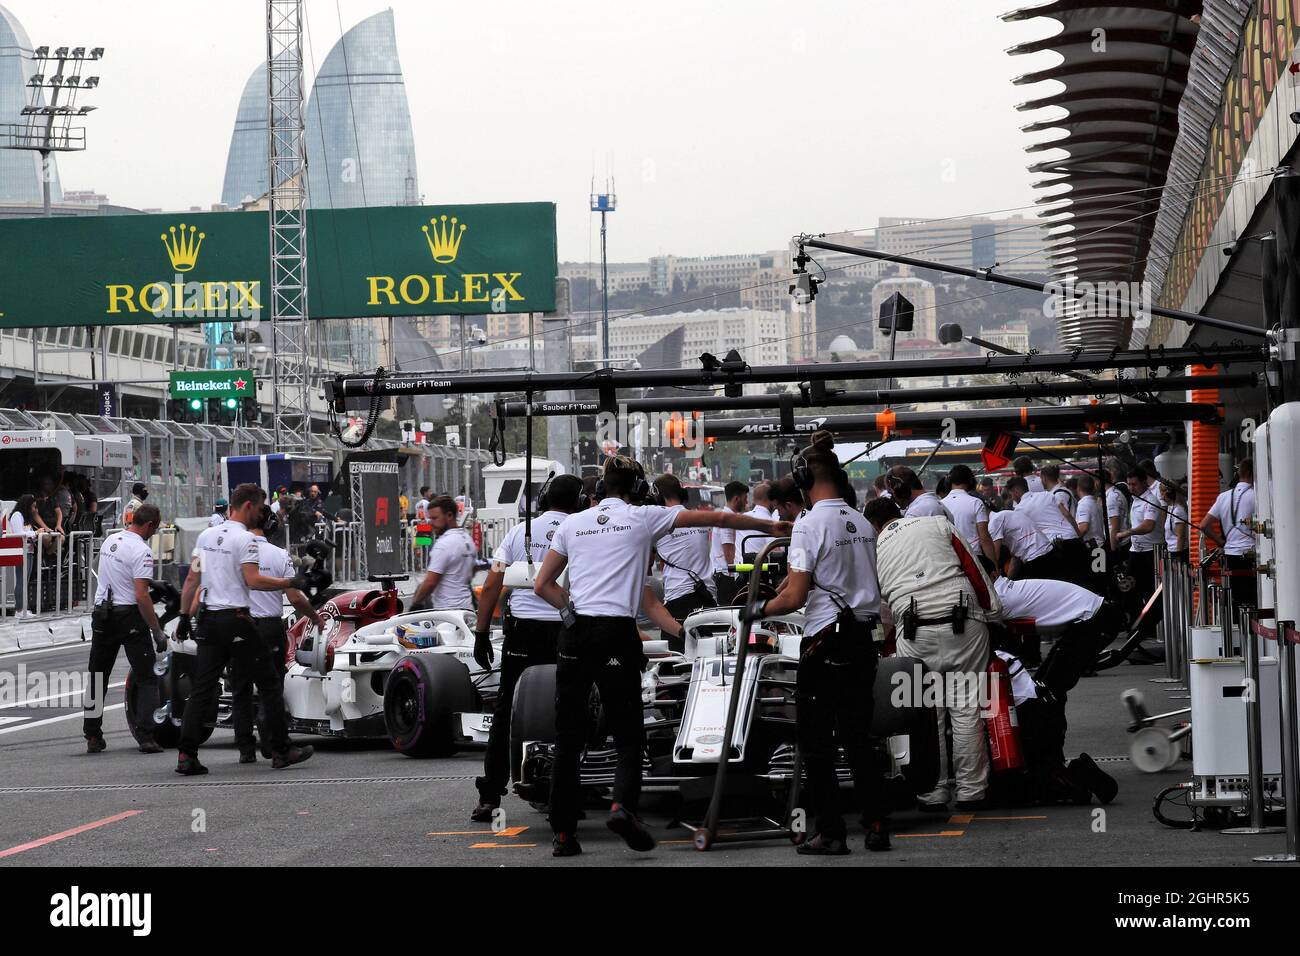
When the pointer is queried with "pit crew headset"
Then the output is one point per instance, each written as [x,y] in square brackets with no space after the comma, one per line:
[640,489]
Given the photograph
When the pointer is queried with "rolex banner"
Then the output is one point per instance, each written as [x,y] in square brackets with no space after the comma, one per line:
[215,267]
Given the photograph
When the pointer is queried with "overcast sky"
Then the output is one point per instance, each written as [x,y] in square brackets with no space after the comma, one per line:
[729,124]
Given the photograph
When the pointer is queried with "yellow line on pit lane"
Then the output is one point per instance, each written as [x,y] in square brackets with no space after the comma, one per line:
[501,846]
[507,832]
[941,833]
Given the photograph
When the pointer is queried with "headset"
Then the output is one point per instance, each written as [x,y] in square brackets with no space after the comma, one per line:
[800,470]
[270,522]
[640,490]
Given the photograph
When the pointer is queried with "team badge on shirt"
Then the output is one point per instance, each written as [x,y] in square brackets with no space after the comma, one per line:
[850,527]
[602,519]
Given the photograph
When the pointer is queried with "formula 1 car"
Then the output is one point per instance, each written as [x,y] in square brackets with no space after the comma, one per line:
[687,702]
[374,672]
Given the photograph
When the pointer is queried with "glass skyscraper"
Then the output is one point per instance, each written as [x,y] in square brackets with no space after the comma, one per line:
[20,169]
[246,163]
[360,148]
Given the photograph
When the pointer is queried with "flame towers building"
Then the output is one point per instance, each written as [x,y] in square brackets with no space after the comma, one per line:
[360,148]
[20,169]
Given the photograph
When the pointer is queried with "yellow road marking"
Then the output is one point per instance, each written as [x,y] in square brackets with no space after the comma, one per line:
[961,818]
[489,846]
[941,833]
[507,832]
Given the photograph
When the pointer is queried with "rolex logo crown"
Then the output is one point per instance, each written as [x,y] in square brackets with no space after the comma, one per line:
[182,247]
[444,238]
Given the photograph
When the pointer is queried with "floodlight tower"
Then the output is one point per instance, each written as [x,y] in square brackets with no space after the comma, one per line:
[47,127]
[604,203]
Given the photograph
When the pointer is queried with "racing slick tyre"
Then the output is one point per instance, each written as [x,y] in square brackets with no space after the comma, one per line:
[919,722]
[172,686]
[424,694]
[532,713]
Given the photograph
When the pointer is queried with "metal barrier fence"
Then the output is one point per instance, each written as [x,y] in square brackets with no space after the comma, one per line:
[57,576]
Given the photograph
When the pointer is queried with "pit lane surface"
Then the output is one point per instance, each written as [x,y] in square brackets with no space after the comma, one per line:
[362,803]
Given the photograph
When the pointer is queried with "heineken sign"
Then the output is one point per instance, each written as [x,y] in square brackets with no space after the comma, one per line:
[214,267]
[233,383]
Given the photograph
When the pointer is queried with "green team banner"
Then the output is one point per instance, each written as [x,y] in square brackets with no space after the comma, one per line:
[214,267]
[231,383]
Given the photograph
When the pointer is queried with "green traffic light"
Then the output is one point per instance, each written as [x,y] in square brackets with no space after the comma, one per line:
[196,404]
[231,403]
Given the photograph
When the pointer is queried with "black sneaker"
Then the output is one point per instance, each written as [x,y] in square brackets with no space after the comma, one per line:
[823,846]
[248,755]
[932,807]
[95,745]
[878,837]
[267,752]
[189,766]
[483,812]
[626,825]
[150,746]
[565,844]
[292,756]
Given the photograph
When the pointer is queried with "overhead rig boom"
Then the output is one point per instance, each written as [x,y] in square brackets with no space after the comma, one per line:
[1019,282]
[967,422]
[809,397]
[733,374]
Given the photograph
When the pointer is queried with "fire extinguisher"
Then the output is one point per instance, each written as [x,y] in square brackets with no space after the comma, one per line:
[1003,729]
[478,536]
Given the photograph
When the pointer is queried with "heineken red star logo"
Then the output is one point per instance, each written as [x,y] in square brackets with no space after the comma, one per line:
[240,384]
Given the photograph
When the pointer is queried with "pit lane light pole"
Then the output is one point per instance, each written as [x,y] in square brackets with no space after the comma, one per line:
[604,203]
[47,127]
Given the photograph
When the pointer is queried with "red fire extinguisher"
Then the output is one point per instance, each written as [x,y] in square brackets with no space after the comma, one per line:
[1003,729]
[478,536]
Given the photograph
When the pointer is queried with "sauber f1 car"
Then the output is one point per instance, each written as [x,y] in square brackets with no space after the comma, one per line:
[375,671]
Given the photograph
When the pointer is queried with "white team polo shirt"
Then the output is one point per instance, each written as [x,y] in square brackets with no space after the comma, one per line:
[274,562]
[1144,507]
[219,555]
[966,512]
[608,548]
[837,545]
[719,537]
[1117,506]
[1235,509]
[124,558]
[452,556]
[1021,537]
[1049,603]
[1089,511]
[1043,509]
[689,551]
[927,505]
[524,604]
[1178,515]
[752,542]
